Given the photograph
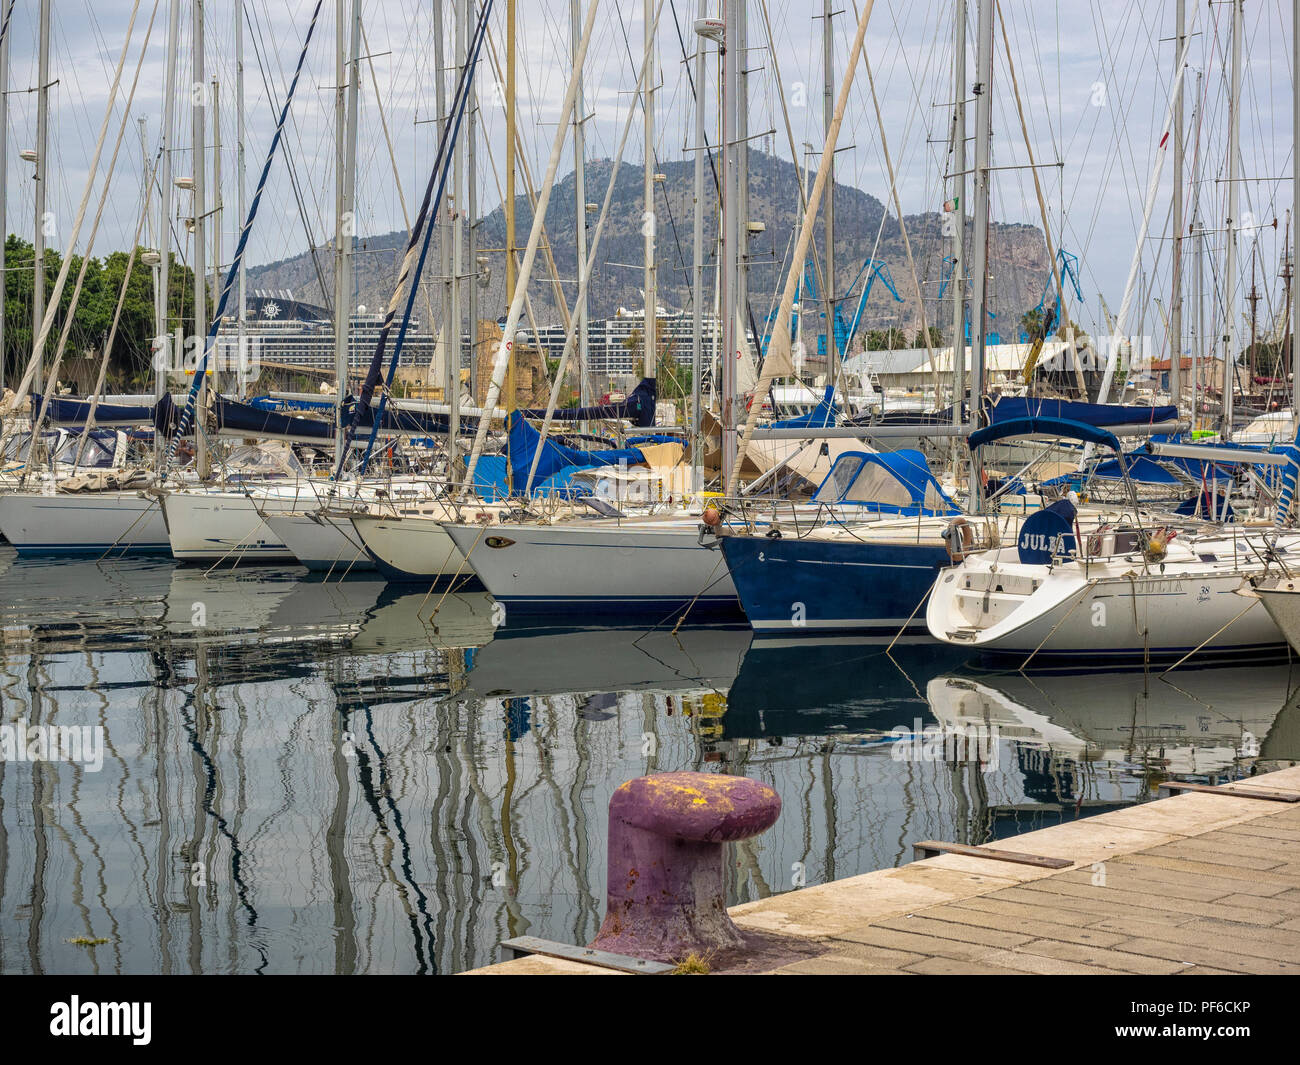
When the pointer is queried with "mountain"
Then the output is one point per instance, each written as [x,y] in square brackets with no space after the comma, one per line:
[863,228]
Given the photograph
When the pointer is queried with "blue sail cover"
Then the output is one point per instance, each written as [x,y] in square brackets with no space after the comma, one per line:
[523,441]
[246,420]
[1009,408]
[74,412]
[638,408]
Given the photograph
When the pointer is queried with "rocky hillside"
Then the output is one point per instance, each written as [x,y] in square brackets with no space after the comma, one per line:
[1018,255]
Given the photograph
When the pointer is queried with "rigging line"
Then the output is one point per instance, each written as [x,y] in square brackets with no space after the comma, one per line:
[713,167]
[313,249]
[117,315]
[200,371]
[409,281]
[392,156]
[56,293]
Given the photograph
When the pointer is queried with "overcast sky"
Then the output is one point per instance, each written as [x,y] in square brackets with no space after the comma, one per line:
[1094,80]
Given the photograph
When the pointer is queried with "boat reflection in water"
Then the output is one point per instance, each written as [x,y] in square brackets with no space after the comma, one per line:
[315,776]
[1081,744]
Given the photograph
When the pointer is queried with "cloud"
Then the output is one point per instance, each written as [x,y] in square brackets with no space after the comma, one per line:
[1067,59]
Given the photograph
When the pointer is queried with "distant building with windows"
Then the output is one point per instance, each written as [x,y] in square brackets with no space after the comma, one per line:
[614,345]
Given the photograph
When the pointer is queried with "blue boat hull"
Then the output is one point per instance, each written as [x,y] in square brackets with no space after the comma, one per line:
[794,587]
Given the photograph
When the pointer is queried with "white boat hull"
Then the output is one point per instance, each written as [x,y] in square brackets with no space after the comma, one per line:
[644,567]
[83,523]
[210,526]
[410,548]
[1116,617]
[1282,601]
[321,542]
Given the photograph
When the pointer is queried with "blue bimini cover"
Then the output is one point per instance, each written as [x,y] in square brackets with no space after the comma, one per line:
[1048,534]
[889,482]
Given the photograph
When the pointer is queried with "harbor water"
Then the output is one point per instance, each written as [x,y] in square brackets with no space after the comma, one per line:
[250,770]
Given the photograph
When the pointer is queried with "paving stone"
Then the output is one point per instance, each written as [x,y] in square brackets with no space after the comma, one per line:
[1219,958]
[1120,960]
[924,924]
[1039,929]
[957,967]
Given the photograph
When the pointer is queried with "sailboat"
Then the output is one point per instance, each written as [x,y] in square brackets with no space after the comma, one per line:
[1146,588]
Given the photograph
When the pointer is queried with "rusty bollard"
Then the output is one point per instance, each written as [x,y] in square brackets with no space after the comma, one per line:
[666,892]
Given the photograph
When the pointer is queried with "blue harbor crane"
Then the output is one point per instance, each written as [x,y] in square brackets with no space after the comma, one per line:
[844,331]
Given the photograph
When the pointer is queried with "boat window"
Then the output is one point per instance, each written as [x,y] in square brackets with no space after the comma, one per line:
[17,447]
[1206,556]
[99,452]
[840,479]
[875,484]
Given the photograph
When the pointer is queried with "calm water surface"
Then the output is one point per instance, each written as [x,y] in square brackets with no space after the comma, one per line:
[300,776]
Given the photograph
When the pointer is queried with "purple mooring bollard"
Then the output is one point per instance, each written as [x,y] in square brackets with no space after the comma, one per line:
[666,892]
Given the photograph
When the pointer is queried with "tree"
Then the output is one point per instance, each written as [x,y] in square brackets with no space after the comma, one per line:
[1031,323]
[936,336]
[130,361]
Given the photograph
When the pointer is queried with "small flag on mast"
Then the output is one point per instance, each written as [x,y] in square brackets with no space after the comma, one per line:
[951,205]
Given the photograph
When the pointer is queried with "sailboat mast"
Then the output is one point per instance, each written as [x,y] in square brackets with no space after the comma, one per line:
[241,178]
[727,282]
[451,386]
[697,236]
[347,67]
[580,204]
[442,357]
[1230,230]
[215,148]
[199,165]
[164,348]
[648,220]
[1295,190]
[979,259]
[828,113]
[1176,297]
[958,279]
[4,190]
[511,19]
[471,208]
[39,179]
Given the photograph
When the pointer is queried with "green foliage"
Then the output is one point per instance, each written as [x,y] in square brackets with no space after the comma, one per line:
[1031,323]
[130,359]
[891,339]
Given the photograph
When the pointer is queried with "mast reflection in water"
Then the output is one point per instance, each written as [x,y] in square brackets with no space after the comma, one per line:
[301,776]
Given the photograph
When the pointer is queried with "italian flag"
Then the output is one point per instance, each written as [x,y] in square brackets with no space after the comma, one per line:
[951,205]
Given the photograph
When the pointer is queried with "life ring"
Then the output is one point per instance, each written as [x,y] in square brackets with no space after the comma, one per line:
[959,529]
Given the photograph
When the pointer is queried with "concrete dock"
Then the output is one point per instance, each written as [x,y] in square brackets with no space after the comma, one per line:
[1197,883]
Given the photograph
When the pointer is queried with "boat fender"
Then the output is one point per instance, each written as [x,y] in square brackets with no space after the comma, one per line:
[712,516]
[958,538]
[1158,545]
